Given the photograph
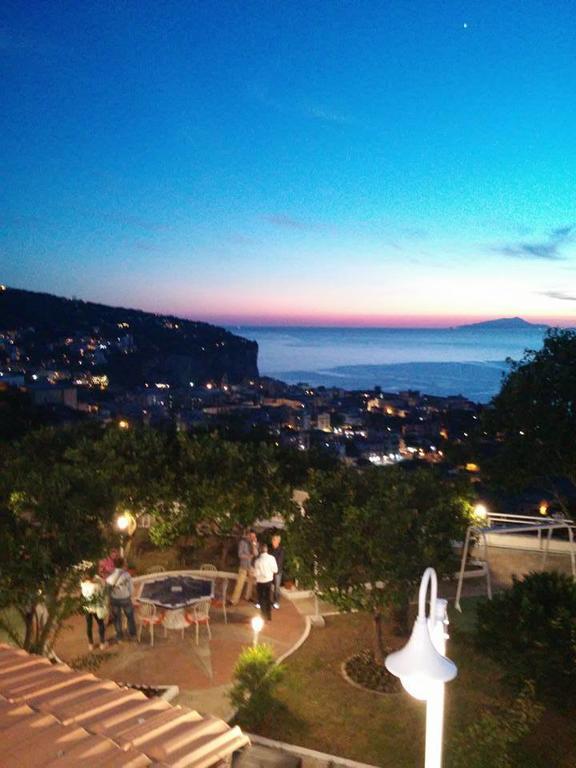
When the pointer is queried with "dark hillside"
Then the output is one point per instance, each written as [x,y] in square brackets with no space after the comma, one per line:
[133,346]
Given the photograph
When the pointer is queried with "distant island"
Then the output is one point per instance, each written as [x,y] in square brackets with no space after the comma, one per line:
[504,324]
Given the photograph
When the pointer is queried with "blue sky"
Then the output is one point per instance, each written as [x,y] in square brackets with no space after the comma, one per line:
[329,161]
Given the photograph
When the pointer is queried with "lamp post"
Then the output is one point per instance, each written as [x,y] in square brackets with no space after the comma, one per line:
[423,668]
[257,624]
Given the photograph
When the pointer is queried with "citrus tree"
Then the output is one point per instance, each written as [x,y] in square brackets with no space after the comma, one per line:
[367,537]
[54,509]
[222,487]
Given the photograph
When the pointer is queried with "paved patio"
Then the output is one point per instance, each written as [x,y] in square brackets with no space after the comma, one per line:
[204,672]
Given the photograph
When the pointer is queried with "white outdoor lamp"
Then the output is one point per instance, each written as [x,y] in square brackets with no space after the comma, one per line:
[422,667]
[481,511]
[257,625]
[122,522]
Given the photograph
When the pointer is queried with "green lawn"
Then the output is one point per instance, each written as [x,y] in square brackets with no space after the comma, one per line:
[323,712]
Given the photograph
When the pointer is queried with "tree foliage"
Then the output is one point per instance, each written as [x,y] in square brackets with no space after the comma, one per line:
[53,509]
[222,487]
[139,465]
[367,537]
[534,416]
[532,626]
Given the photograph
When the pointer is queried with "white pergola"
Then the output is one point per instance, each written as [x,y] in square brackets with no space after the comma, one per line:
[498,524]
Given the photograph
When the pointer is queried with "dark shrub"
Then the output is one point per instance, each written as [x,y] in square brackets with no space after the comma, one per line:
[489,742]
[531,630]
[256,676]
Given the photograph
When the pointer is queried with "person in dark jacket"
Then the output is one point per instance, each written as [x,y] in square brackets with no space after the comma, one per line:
[120,585]
[277,551]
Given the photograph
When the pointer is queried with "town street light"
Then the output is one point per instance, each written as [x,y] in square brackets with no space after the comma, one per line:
[423,668]
[257,625]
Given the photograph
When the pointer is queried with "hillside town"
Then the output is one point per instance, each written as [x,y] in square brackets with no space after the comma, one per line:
[75,372]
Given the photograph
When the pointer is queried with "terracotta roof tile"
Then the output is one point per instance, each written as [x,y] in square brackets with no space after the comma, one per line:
[118,724]
[100,706]
[156,728]
[53,717]
[209,750]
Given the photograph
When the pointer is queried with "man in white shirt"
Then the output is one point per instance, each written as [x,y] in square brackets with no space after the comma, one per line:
[265,567]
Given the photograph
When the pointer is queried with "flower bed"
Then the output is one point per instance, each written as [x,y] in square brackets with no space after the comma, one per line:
[363,670]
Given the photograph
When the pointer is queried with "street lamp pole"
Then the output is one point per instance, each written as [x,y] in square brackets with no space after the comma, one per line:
[435,702]
[422,666]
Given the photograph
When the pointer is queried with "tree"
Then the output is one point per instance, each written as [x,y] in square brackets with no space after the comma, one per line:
[372,534]
[534,416]
[223,487]
[53,513]
[140,465]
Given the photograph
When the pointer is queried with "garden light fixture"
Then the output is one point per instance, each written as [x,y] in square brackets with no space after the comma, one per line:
[257,626]
[481,511]
[122,522]
[125,524]
[423,668]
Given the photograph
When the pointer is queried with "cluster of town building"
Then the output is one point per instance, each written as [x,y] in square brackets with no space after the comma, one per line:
[69,376]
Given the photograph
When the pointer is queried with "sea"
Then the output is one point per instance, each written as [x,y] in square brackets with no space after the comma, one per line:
[468,361]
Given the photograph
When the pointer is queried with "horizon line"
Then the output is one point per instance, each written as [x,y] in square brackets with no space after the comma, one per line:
[407,321]
[417,323]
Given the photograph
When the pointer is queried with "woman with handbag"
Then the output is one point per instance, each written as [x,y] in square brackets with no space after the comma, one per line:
[95,605]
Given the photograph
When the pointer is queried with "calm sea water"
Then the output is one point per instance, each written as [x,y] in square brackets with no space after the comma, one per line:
[455,361]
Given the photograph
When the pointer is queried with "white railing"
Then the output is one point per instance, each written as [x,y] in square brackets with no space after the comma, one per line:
[498,524]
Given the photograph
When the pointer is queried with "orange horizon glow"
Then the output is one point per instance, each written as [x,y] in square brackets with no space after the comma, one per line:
[368,321]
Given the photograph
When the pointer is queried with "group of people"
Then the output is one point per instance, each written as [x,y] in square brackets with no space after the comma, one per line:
[107,589]
[107,593]
[262,566]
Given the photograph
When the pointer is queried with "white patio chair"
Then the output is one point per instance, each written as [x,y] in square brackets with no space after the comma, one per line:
[200,614]
[147,615]
[175,619]
[155,569]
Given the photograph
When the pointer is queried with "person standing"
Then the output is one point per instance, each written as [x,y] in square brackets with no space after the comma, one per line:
[251,578]
[277,552]
[265,567]
[106,565]
[120,584]
[95,606]
[245,557]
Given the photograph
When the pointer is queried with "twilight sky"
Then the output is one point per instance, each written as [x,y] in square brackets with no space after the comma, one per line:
[386,162]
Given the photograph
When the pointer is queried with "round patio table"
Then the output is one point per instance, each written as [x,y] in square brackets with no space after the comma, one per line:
[173,592]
